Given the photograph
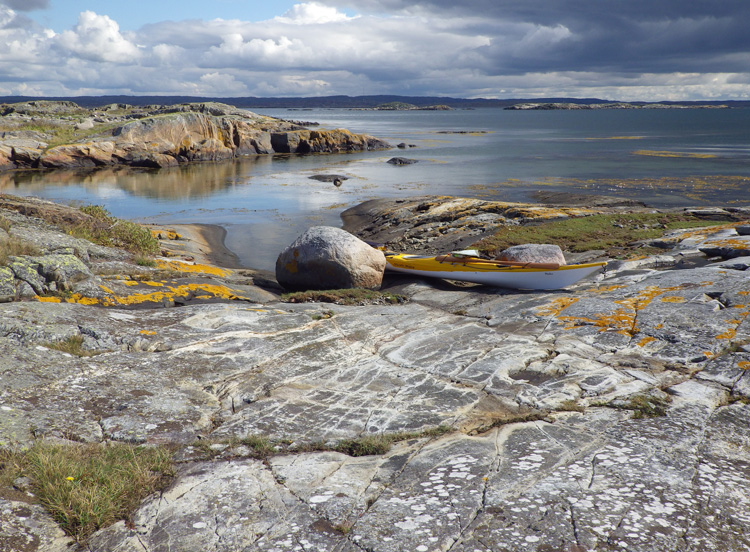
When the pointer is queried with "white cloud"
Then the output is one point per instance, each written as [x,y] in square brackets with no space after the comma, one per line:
[311,13]
[489,48]
[98,38]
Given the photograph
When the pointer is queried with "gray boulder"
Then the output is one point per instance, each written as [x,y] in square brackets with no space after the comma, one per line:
[533,253]
[329,258]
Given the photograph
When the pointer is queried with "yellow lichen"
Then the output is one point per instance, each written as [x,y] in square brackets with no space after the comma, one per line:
[673,299]
[181,266]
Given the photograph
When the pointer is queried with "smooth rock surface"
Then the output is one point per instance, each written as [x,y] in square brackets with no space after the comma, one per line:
[324,257]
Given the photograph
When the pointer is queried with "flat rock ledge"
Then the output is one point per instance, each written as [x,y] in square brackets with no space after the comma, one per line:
[549,398]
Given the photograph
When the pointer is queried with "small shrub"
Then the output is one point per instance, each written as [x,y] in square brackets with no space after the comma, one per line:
[5,223]
[88,487]
[104,229]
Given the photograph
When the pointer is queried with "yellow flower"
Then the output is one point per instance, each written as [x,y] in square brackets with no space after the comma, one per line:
[70,478]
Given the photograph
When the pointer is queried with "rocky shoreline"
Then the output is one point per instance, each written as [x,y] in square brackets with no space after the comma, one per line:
[613,415]
[62,135]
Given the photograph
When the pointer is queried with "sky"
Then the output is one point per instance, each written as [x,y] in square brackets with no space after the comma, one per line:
[627,50]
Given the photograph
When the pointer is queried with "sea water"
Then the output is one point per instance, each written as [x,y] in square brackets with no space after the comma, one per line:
[663,157]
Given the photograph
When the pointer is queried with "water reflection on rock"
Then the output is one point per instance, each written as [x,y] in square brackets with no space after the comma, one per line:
[184,182]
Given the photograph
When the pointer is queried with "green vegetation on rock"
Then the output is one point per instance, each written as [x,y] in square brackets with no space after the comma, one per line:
[614,233]
[104,229]
[87,487]
[355,296]
[15,247]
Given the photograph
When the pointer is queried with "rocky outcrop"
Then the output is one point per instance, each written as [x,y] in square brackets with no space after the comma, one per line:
[163,136]
[329,258]
[611,415]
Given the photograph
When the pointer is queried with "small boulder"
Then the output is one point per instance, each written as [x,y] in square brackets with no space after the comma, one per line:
[329,258]
[533,253]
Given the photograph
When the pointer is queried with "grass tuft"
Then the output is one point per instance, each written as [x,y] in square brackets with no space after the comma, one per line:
[88,487]
[15,247]
[72,345]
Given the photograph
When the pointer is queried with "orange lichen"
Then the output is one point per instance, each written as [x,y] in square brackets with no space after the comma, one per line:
[148,332]
[47,299]
[556,306]
[622,320]
[673,299]
[645,341]
[744,364]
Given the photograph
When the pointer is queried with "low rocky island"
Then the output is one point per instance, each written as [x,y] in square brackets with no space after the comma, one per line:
[612,415]
[62,135]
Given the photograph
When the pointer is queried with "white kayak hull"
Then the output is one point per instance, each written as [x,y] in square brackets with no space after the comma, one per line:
[514,277]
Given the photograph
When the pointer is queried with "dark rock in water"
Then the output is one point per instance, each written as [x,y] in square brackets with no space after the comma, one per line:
[329,177]
[533,253]
[401,161]
[402,145]
[329,258]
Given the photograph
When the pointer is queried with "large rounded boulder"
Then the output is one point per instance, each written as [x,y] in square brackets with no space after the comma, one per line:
[533,253]
[329,258]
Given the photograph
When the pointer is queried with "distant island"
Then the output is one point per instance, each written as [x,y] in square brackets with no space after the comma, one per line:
[611,105]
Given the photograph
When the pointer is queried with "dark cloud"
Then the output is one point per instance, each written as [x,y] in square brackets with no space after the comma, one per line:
[26,5]
[594,35]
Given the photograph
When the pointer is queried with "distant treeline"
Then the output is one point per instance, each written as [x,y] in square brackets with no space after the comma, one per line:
[335,101]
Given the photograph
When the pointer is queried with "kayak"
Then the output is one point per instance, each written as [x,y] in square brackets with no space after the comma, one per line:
[508,274]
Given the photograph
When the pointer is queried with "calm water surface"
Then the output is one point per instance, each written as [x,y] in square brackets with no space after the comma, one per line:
[667,158]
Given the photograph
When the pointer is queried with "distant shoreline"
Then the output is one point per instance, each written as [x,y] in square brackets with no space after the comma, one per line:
[364,101]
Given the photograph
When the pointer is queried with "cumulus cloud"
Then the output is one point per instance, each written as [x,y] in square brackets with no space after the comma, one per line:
[98,38]
[638,49]
[311,13]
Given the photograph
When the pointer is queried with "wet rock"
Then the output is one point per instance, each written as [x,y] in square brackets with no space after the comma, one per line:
[329,258]
[402,161]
